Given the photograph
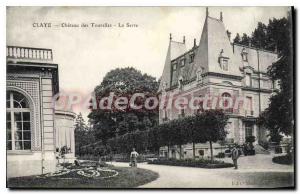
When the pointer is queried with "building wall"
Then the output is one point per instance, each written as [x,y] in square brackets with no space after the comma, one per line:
[37,87]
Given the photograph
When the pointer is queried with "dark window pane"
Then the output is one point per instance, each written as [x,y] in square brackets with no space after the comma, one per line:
[22,101]
[8,126]
[18,145]
[18,135]
[18,126]
[27,145]
[17,104]
[7,104]
[26,135]
[17,96]
[26,126]
[18,116]
[8,134]
[8,145]
[8,116]
[26,116]
[7,95]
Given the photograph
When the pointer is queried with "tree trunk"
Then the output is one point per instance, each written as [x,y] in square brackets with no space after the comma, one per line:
[211,152]
[168,152]
[194,154]
[180,150]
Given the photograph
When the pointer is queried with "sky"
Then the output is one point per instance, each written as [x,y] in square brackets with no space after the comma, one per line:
[85,55]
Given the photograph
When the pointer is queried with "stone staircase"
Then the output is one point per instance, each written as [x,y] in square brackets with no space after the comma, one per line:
[260,150]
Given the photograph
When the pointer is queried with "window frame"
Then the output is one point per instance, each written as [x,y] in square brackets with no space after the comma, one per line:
[249,128]
[11,110]
[192,57]
[182,62]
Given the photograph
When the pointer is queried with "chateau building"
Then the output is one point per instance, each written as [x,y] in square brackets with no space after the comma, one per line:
[219,69]
[35,130]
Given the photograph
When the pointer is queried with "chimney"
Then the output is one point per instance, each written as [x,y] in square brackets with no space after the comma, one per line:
[170,36]
[195,42]
[221,16]
[206,11]
[183,39]
[229,35]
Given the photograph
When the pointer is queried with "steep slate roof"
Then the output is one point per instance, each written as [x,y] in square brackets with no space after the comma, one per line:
[214,39]
[175,49]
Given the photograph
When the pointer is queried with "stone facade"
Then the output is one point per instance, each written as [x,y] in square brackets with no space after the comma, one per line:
[218,68]
[32,81]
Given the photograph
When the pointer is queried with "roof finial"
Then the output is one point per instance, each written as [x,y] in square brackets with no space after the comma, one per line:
[221,16]
[170,36]
[206,11]
[195,42]
[183,39]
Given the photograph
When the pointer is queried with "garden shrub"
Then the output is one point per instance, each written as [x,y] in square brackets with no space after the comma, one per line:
[201,163]
[286,159]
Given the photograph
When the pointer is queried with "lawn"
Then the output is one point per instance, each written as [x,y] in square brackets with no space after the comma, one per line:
[127,178]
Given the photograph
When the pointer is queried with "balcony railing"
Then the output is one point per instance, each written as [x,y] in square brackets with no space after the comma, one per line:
[41,54]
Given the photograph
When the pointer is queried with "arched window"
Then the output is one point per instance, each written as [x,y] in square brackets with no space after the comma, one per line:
[18,127]
[226,97]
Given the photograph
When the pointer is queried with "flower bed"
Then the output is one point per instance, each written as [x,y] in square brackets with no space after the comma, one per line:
[202,163]
[87,172]
[286,159]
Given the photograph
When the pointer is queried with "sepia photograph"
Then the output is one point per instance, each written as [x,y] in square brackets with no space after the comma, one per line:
[159,97]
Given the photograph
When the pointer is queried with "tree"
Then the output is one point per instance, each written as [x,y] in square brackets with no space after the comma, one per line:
[124,82]
[245,40]
[213,127]
[279,116]
[83,134]
[237,39]
[259,36]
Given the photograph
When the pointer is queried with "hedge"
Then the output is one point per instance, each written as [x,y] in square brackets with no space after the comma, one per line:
[202,163]
[286,159]
[200,128]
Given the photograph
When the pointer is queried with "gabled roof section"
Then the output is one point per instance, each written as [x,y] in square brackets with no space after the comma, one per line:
[214,40]
[175,49]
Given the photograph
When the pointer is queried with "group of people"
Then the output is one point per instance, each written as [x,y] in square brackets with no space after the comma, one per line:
[234,155]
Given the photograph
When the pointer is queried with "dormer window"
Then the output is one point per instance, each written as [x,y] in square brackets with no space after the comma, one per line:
[244,55]
[192,57]
[182,62]
[224,64]
[174,66]
[223,61]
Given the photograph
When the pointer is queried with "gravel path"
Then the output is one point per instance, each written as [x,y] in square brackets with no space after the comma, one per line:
[254,171]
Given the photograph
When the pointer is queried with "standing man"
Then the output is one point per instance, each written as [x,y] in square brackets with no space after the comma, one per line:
[133,158]
[235,156]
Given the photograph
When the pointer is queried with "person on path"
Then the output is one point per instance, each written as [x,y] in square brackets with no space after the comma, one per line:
[235,156]
[133,158]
